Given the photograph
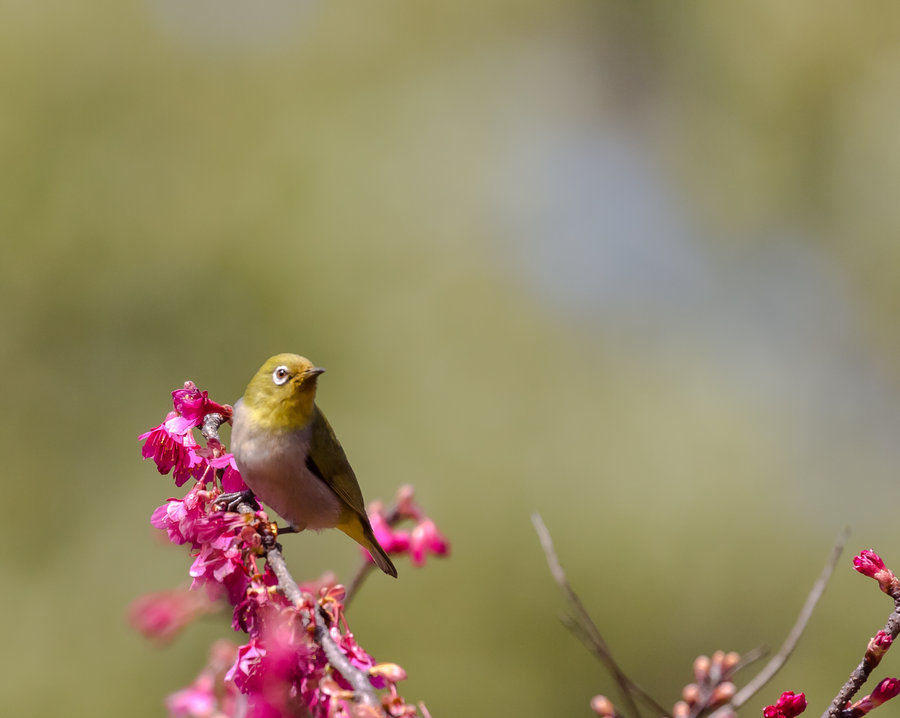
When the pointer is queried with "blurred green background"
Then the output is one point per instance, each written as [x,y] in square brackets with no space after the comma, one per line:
[632,265]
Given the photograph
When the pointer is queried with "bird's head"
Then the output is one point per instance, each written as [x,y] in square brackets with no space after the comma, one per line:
[281,395]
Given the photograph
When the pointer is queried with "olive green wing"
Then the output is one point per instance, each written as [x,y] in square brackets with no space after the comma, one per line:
[329,462]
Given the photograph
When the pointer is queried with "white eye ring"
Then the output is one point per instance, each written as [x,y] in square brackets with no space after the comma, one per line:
[281,375]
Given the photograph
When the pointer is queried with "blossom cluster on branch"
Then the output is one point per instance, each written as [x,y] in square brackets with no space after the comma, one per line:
[301,658]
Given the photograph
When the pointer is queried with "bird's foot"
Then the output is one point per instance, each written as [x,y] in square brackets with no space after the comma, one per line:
[232,501]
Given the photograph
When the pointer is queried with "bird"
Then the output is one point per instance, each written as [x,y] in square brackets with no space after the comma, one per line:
[290,458]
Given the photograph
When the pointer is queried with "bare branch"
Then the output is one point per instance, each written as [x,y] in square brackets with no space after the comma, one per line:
[790,643]
[584,628]
[862,672]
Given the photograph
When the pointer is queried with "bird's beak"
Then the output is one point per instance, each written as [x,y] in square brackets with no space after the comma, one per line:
[314,372]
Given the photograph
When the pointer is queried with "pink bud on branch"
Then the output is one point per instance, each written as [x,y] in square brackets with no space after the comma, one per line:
[884,691]
[870,564]
[789,705]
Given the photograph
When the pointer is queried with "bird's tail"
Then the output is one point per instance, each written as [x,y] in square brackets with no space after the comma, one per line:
[361,532]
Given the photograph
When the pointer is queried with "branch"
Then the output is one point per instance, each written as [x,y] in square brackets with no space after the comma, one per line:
[586,630]
[862,672]
[790,643]
[358,679]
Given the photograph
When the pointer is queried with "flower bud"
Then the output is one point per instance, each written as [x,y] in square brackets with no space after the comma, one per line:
[877,647]
[884,691]
[390,671]
[701,668]
[722,693]
[690,693]
[602,706]
[730,662]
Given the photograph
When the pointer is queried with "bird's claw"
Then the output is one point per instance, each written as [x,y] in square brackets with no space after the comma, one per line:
[232,501]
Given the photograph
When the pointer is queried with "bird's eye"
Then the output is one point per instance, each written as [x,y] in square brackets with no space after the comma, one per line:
[281,375]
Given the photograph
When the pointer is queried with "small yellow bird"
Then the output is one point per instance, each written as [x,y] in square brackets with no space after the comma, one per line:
[288,454]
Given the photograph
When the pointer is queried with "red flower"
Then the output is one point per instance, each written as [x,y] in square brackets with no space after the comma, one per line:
[424,539]
[193,405]
[878,646]
[162,615]
[870,564]
[788,706]
[884,691]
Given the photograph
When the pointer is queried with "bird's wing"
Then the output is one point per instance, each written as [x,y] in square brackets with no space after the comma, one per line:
[328,461]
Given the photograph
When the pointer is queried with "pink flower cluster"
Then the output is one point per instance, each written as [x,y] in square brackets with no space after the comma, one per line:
[172,445]
[789,705]
[423,539]
[282,670]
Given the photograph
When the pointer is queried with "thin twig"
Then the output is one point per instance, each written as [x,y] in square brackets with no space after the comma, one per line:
[750,657]
[862,672]
[587,630]
[356,582]
[790,643]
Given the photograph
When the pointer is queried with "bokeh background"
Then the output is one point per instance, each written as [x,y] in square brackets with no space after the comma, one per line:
[632,265]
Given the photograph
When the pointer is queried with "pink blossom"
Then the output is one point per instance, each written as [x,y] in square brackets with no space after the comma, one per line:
[878,646]
[172,450]
[425,538]
[220,565]
[358,657]
[231,478]
[407,507]
[788,706]
[163,614]
[884,691]
[182,519]
[280,668]
[198,700]
[208,696]
[870,564]
[193,519]
[390,540]
[193,405]
[258,601]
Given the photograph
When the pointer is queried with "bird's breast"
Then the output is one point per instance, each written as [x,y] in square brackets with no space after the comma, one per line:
[273,465]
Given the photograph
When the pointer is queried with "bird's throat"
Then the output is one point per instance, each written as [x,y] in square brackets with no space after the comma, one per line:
[288,414]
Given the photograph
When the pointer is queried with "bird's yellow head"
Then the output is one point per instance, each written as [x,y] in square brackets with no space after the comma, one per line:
[282,393]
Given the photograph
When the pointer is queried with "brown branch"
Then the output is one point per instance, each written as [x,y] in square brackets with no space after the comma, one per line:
[363,692]
[356,582]
[793,637]
[584,628]
[862,672]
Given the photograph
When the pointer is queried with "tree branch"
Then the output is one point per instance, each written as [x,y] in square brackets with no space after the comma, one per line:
[790,642]
[586,630]
[862,672]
